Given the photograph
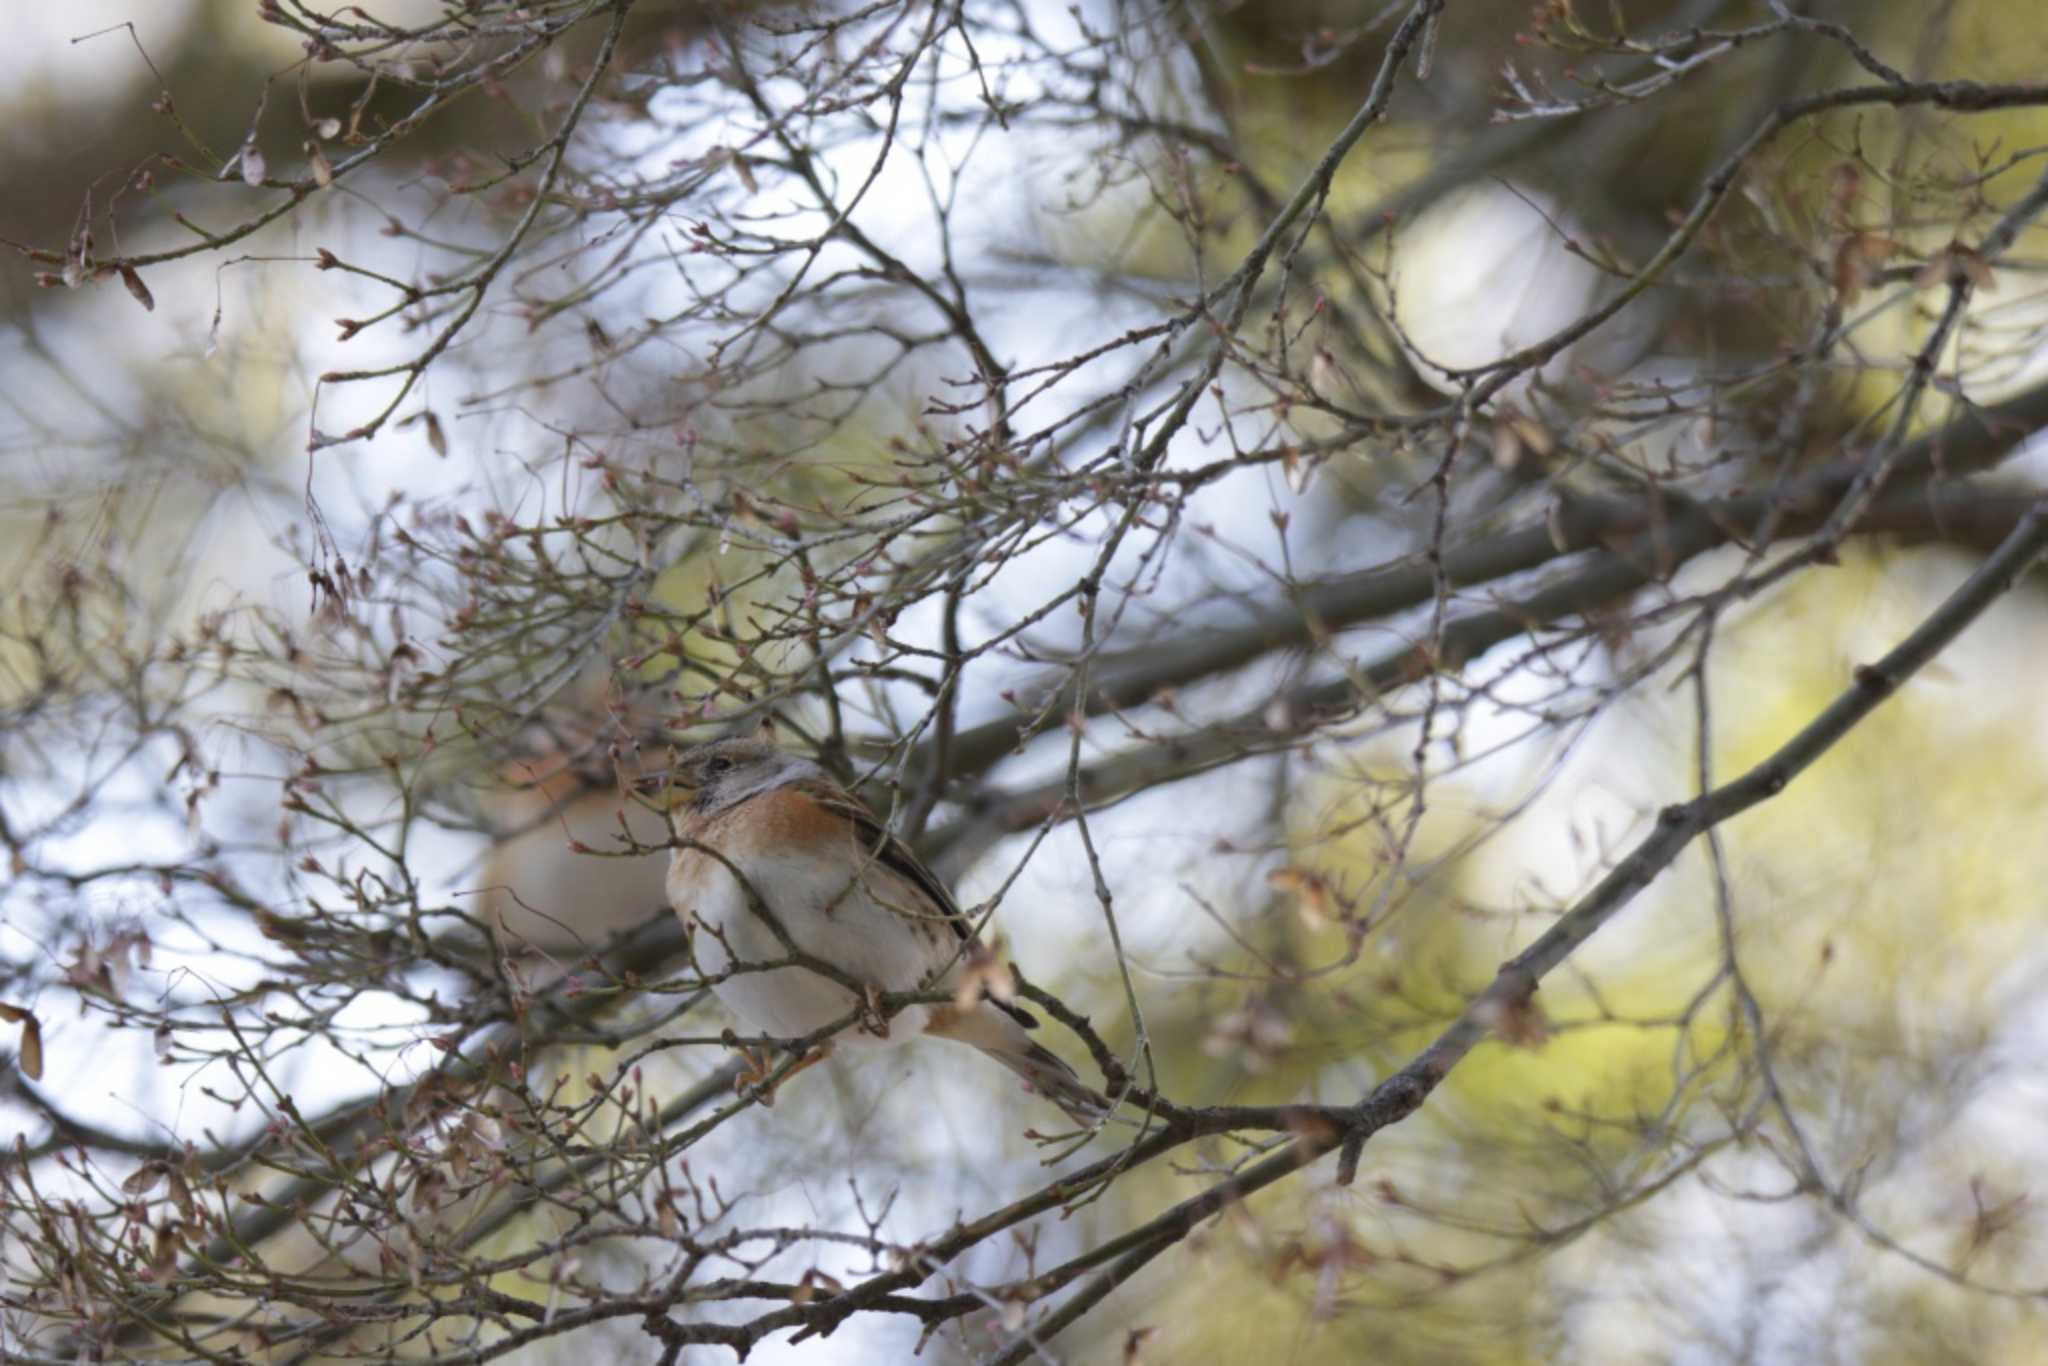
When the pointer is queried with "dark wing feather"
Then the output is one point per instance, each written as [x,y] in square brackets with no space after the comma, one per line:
[891,853]
[895,855]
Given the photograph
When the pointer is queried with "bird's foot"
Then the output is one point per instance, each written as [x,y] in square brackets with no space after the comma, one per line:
[756,1068]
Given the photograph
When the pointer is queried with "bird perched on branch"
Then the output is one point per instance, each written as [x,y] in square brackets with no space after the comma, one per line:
[557,806]
[804,910]
[541,898]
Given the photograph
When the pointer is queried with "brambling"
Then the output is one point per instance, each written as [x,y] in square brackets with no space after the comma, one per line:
[802,908]
[539,896]
[562,790]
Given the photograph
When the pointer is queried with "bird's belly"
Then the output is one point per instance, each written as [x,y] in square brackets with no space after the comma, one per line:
[826,916]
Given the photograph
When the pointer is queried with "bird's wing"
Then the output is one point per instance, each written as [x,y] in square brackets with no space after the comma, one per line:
[885,849]
[892,853]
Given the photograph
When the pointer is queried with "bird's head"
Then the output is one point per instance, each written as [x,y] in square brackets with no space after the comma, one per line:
[714,776]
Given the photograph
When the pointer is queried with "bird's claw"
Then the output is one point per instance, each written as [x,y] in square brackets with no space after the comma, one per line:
[756,1068]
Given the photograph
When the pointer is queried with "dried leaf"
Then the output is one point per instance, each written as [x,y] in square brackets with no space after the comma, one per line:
[814,1281]
[1519,1022]
[1956,261]
[144,1178]
[163,1261]
[323,169]
[727,156]
[1299,472]
[430,1190]
[1857,258]
[253,165]
[181,1194]
[137,288]
[1318,906]
[484,1133]
[31,1056]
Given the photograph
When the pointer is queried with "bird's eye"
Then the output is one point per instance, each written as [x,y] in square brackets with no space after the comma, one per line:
[717,764]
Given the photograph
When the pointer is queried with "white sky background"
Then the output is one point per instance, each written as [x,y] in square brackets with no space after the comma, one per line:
[917,1116]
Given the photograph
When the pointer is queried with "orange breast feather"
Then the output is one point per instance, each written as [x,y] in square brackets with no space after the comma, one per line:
[784,819]
[790,818]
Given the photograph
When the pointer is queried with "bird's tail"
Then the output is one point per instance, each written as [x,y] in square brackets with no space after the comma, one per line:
[1004,1039]
[1046,1073]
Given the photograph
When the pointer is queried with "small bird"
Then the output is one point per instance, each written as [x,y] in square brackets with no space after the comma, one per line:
[546,905]
[803,909]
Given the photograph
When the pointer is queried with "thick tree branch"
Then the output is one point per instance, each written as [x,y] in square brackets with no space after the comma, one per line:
[1975,439]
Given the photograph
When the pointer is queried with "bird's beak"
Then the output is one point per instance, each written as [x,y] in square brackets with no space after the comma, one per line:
[662,788]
